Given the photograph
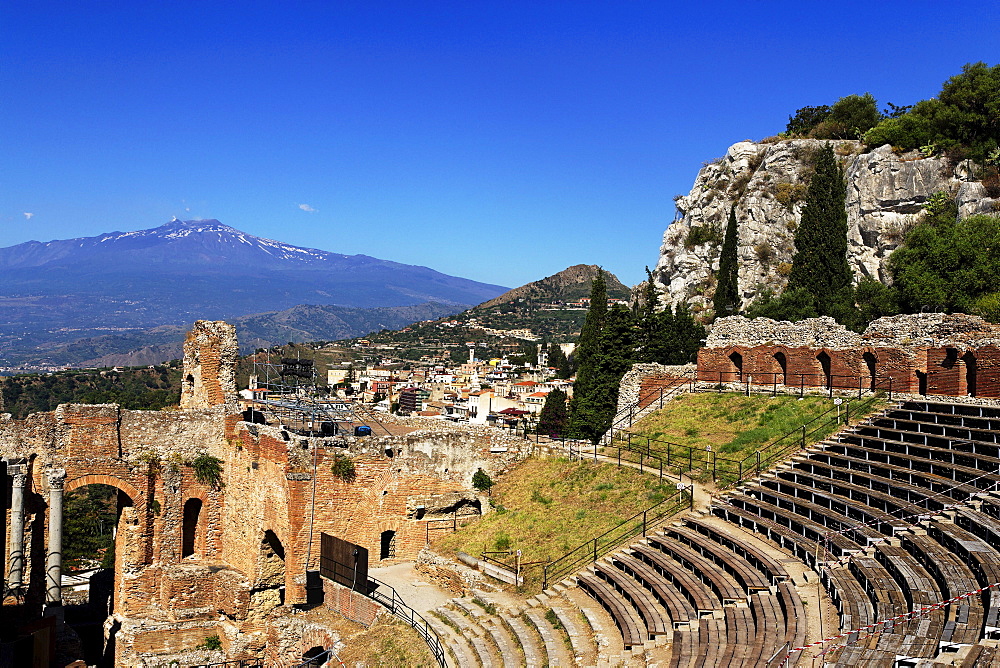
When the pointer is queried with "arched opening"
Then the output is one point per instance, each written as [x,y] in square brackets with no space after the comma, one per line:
[825,364]
[269,588]
[970,373]
[870,361]
[922,383]
[192,539]
[737,361]
[388,545]
[782,361]
[91,515]
[314,656]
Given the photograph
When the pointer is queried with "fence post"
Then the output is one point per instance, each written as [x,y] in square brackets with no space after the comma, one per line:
[715,464]
[690,458]
[847,419]
[802,384]
[803,437]
[619,457]
[661,469]
[640,460]
[595,550]
[890,388]
[644,524]
[668,456]
[661,397]
[774,388]
[758,462]
[741,469]
[859,388]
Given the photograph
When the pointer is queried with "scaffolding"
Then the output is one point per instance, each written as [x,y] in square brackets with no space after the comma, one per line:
[285,390]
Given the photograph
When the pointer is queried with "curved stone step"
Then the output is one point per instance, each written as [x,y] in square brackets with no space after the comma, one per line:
[534,656]
[555,649]
[580,638]
[510,653]
[460,653]
[607,638]
[485,655]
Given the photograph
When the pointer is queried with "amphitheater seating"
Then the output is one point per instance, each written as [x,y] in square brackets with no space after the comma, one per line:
[896,514]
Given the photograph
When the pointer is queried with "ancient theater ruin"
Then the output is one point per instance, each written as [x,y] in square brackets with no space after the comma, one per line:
[954,355]
[221,521]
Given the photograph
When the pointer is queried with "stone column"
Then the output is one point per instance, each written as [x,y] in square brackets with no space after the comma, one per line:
[20,479]
[53,565]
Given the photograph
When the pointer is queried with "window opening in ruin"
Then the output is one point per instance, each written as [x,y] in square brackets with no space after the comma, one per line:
[271,566]
[824,363]
[189,383]
[315,656]
[190,534]
[783,365]
[737,360]
[921,382]
[388,547]
[870,361]
[970,373]
[950,358]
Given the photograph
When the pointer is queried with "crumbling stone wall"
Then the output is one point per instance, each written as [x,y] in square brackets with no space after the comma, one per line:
[209,375]
[251,539]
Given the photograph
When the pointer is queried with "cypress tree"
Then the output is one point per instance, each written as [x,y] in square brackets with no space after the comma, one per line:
[727,294]
[649,324]
[553,418]
[585,406]
[819,265]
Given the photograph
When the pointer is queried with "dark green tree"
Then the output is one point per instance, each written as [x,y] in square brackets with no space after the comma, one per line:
[606,350]
[726,300]
[806,118]
[553,419]
[648,318]
[819,265]
[482,481]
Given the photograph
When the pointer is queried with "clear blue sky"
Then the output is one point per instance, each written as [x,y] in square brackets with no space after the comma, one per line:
[497,141]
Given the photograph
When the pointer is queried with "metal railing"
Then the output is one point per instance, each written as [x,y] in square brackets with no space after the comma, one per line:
[387,597]
[728,471]
[597,547]
[799,382]
[626,416]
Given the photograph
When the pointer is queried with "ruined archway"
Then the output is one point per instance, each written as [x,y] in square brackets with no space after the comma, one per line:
[871,362]
[736,372]
[782,362]
[825,364]
[269,586]
[94,507]
[969,359]
[387,544]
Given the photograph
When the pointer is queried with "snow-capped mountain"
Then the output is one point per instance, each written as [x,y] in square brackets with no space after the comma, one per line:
[186,270]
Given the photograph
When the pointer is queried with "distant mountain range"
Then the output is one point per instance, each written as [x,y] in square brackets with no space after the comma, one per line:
[54,294]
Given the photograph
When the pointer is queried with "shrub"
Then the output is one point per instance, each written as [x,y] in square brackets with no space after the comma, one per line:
[343,467]
[784,268]
[211,642]
[702,234]
[789,194]
[502,542]
[764,253]
[482,481]
[208,470]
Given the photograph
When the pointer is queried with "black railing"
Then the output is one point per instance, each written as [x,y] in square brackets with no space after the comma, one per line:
[386,596]
[798,382]
[626,416]
[727,471]
[597,547]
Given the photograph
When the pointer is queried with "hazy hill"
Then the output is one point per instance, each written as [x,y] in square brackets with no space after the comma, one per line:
[125,283]
[569,284]
[260,330]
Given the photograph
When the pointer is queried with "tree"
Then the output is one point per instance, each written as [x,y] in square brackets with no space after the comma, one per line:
[806,119]
[482,481]
[819,265]
[553,419]
[726,300]
[591,395]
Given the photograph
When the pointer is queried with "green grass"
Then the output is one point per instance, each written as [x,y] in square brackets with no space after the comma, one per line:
[734,426]
[551,506]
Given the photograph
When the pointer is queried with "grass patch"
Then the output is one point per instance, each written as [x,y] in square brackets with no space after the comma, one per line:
[581,500]
[734,426]
[387,642]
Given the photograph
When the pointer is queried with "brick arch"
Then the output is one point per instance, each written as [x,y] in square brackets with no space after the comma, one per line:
[101,479]
[735,358]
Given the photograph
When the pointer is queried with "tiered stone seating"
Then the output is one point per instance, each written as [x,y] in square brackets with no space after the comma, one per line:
[866,509]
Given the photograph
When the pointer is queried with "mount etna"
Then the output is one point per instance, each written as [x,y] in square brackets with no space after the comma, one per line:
[68,301]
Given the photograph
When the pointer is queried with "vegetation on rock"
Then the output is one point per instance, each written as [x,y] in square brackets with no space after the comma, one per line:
[727,295]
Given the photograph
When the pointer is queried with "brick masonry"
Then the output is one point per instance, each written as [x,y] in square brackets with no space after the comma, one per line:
[253,538]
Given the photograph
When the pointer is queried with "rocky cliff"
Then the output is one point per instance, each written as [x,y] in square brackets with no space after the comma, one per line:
[767,183]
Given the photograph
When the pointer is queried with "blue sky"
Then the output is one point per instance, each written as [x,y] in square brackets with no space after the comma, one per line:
[497,141]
